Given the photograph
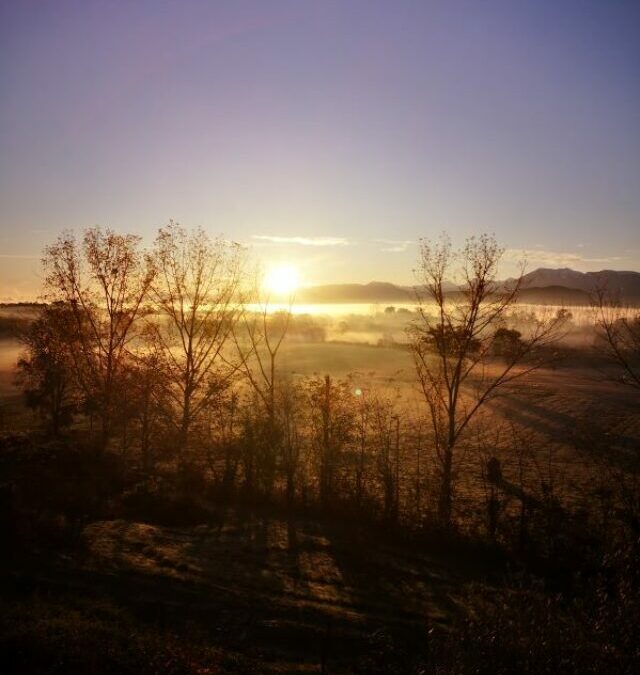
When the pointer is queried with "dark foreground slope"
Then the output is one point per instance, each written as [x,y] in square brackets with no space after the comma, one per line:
[249,593]
[92,583]
[262,594]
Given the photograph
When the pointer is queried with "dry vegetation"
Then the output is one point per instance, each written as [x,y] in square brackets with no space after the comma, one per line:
[192,483]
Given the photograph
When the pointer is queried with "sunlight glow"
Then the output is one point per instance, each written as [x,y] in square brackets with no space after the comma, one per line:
[282,280]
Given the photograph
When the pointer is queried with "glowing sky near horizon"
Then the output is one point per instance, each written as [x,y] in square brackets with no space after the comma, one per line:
[328,134]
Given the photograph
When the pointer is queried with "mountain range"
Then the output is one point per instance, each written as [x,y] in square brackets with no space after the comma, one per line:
[542,286]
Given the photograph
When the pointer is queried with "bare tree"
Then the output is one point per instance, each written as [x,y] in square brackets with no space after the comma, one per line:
[333,417]
[385,429]
[290,409]
[258,344]
[104,282]
[364,410]
[196,290]
[453,342]
[148,403]
[619,332]
[45,372]
[258,337]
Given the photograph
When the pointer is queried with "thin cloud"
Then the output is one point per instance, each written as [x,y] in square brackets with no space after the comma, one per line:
[394,245]
[269,240]
[558,258]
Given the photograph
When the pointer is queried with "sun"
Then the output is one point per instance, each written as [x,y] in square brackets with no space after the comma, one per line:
[282,280]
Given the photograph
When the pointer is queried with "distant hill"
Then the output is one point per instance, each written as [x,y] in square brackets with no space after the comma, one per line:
[373,292]
[554,295]
[627,284]
[542,286]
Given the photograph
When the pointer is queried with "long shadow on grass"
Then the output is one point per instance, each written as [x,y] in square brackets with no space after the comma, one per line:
[396,595]
[586,434]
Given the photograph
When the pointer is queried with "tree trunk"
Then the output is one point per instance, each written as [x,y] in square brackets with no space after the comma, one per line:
[185,423]
[446,497]
[291,489]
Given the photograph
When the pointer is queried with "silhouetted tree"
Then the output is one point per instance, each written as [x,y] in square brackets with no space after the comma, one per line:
[103,282]
[361,434]
[258,337]
[619,332]
[45,372]
[148,402]
[507,342]
[332,423]
[452,347]
[385,427]
[195,289]
[290,406]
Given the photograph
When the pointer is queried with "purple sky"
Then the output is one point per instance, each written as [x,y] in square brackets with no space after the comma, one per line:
[354,127]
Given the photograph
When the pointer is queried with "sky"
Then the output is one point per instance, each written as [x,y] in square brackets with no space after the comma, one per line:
[330,135]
